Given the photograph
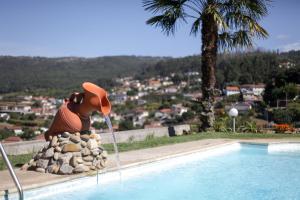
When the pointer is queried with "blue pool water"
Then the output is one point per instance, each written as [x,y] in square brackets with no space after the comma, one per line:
[250,172]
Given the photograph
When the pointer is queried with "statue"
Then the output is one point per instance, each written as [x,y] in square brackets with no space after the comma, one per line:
[74,115]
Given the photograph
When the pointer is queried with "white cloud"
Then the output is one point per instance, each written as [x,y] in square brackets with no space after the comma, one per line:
[282,37]
[291,46]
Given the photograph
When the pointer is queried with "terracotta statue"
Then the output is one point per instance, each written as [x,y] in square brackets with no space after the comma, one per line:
[74,115]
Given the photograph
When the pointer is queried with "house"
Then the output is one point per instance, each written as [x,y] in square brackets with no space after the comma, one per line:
[178,109]
[163,114]
[154,84]
[255,89]
[232,90]
[286,65]
[115,116]
[140,117]
[119,98]
[15,107]
[167,83]
[172,89]
[4,116]
[18,131]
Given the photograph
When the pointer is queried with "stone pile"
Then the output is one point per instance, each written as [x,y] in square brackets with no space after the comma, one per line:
[68,154]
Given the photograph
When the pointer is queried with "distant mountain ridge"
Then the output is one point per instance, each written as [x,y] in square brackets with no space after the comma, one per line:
[67,73]
[31,73]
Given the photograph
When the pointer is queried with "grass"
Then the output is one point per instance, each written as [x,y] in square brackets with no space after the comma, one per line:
[151,141]
[16,161]
[154,142]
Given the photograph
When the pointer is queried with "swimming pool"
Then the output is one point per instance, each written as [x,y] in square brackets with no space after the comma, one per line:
[236,171]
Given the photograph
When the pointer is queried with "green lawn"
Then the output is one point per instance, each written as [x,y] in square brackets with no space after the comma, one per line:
[154,142]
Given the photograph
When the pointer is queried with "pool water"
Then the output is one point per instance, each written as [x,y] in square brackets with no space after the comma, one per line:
[249,172]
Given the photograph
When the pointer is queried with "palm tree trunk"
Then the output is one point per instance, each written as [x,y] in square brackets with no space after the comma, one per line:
[209,31]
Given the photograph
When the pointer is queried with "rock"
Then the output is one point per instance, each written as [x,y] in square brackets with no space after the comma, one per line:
[103,163]
[75,138]
[49,153]
[79,160]
[87,158]
[64,142]
[73,162]
[95,136]
[83,144]
[65,169]
[31,161]
[65,134]
[64,158]
[71,148]
[33,164]
[87,163]
[92,144]
[85,152]
[55,156]
[57,149]
[54,141]
[38,156]
[39,169]
[62,139]
[76,154]
[25,166]
[77,134]
[104,154]
[42,163]
[46,145]
[53,169]
[81,168]
[95,152]
[85,137]
[92,167]
[95,162]
[52,161]
[99,166]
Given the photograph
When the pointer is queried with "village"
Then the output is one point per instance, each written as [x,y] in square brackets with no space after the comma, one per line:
[150,103]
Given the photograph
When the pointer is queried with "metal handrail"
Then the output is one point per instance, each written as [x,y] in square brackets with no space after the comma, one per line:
[12,172]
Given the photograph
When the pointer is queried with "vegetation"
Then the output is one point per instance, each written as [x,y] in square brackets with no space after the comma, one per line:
[16,160]
[237,68]
[223,24]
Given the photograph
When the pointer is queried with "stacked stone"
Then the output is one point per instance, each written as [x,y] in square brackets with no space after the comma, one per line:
[70,153]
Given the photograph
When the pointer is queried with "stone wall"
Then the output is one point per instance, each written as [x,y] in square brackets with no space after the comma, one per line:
[18,148]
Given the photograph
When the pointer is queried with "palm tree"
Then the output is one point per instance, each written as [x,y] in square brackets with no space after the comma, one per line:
[223,24]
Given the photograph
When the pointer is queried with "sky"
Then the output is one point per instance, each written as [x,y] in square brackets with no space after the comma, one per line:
[91,28]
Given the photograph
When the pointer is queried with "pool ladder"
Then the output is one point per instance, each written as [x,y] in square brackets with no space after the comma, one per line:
[12,172]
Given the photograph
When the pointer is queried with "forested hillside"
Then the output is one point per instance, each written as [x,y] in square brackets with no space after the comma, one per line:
[61,74]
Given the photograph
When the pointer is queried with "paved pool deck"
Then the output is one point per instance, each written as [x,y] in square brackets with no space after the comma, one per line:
[31,179]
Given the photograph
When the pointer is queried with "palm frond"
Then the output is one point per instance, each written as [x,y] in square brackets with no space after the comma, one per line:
[196,26]
[171,12]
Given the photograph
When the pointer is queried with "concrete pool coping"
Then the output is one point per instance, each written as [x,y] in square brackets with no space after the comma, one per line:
[32,180]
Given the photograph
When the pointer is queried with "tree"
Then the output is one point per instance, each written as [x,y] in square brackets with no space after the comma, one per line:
[126,125]
[27,134]
[223,24]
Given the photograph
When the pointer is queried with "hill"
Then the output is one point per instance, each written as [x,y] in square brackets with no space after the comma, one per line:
[55,76]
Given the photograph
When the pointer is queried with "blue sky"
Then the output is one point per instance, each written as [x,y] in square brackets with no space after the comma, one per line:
[92,28]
